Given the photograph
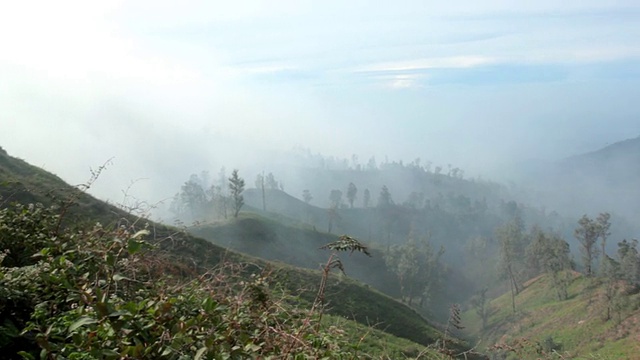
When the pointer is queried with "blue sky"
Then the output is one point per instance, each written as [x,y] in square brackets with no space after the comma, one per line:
[191,83]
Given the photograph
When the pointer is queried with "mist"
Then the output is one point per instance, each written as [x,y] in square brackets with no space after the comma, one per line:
[160,92]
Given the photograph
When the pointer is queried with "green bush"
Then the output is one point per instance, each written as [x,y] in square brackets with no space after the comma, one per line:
[107,293]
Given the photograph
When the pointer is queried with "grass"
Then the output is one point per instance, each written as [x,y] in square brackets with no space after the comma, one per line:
[266,238]
[372,343]
[577,324]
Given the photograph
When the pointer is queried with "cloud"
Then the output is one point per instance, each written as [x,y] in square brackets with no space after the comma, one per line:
[171,88]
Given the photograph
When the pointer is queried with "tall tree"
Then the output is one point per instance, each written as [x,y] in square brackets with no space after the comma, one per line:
[587,234]
[384,200]
[512,248]
[610,272]
[386,212]
[272,183]
[335,199]
[366,198]
[352,191]
[479,303]
[260,185]
[193,196]
[236,186]
[629,261]
[418,270]
[603,223]
[222,186]
[550,254]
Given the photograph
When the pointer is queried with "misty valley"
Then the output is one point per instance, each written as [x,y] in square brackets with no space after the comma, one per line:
[358,260]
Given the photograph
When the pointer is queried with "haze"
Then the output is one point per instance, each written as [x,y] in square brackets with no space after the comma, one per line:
[166,89]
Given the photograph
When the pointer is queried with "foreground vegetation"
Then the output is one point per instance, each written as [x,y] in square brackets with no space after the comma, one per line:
[107,293]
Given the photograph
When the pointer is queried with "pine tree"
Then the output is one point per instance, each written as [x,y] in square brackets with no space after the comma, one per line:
[236,185]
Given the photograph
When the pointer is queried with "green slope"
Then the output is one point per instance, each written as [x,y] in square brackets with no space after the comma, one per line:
[575,328]
[294,244]
[265,238]
[21,182]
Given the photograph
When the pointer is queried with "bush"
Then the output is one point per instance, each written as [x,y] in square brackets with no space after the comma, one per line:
[104,293]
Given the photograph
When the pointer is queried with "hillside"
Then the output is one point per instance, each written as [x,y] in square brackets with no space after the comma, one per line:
[345,297]
[602,180]
[576,328]
[295,245]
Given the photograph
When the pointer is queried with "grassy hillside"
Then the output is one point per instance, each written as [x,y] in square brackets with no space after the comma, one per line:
[574,328]
[294,244]
[21,182]
[265,238]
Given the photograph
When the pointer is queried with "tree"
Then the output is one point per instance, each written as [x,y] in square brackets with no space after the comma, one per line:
[366,198]
[550,254]
[372,165]
[387,212]
[611,273]
[193,197]
[306,196]
[260,185]
[222,185]
[629,261]
[479,303]
[335,199]
[418,269]
[511,239]
[272,183]
[384,200]
[236,186]
[587,234]
[603,224]
[352,191]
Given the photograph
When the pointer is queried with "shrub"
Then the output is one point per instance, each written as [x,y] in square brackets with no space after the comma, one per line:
[106,293]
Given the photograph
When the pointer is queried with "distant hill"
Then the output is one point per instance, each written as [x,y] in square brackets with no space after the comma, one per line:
[614,165]
[605,180]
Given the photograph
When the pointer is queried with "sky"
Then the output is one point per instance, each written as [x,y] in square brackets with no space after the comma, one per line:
[162,89]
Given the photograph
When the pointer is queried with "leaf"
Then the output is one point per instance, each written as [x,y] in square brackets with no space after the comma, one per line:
[141,233]
[26,355]
[200,353]
[85,320]
[118,277]
[134,246]
[110,354]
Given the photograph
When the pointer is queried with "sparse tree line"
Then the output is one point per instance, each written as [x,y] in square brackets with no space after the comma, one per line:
[200,198]
[548,253]
[355,164]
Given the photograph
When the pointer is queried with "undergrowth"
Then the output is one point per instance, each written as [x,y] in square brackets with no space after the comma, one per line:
[106,292]
[109,294]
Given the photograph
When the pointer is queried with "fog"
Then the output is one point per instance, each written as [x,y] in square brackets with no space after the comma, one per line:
[161,90]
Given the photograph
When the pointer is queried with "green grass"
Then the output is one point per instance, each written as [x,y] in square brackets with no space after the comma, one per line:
[371,343]
[577,323]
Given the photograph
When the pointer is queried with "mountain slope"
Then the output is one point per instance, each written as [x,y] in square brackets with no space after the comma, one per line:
[576,327]
[22,182]
[598,181]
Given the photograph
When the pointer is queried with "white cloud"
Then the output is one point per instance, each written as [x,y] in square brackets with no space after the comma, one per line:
[454,62]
